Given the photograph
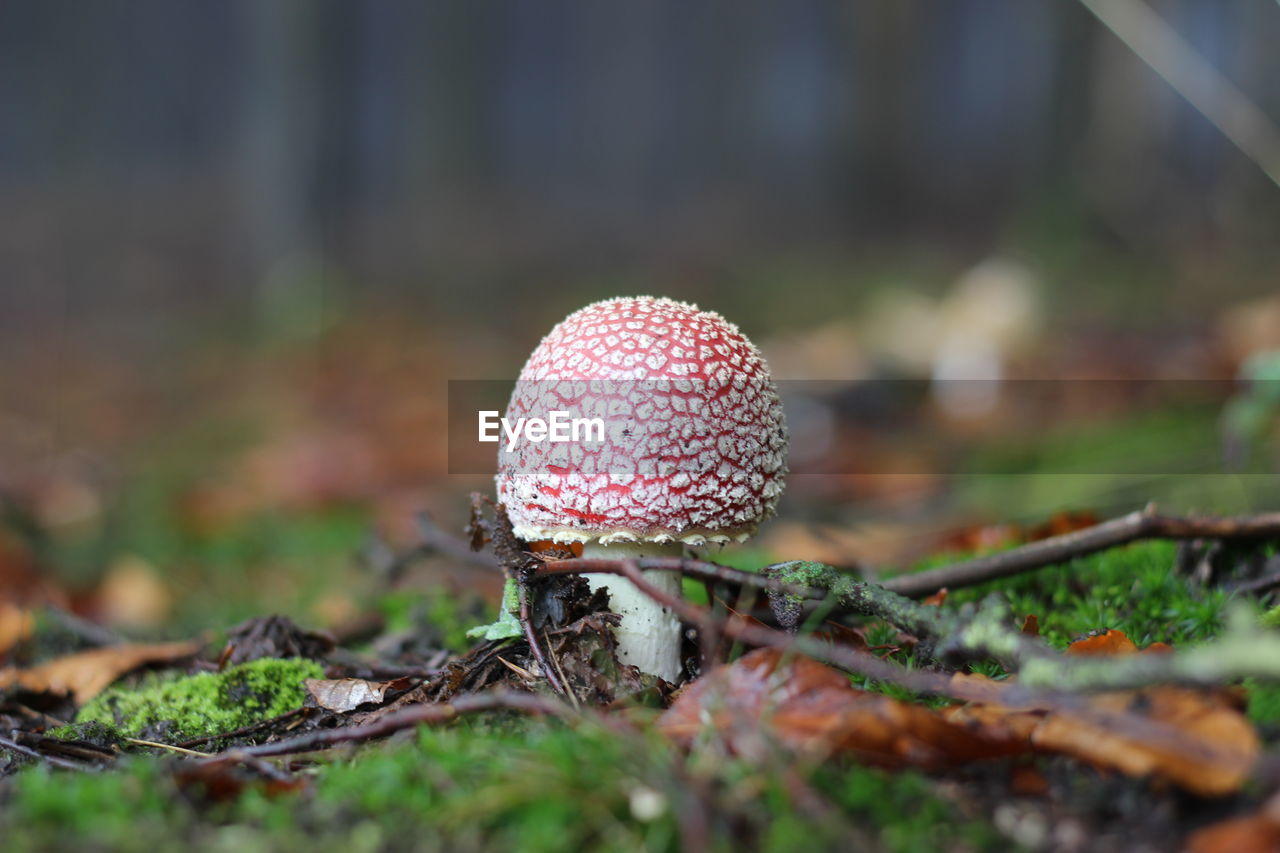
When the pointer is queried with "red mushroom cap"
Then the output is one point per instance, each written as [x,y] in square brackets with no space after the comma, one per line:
[695,440]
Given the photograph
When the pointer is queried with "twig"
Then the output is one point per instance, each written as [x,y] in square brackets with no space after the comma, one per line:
[1136,526]
[569,692]
[157,745]
[1044,695]
[14,746]
[245,730]
[1243,651]
[535,648]
[842,590]
[413,715]
[1143,524]
[862,663]
[436,539]
[91,633]
[1210,91]
[1265,583]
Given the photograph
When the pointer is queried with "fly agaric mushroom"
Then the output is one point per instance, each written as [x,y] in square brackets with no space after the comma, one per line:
[693,450]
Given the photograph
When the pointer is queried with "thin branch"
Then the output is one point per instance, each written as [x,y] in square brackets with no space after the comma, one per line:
[14,746]
[1160,46]
[535,647]
[246,730]
[90,632]
[841,590]
[413,715]
[686,566]
[1243,651]
[170,747]
[1136,526]
[435,540]
[1143,524]
[1045,693]
[853,660]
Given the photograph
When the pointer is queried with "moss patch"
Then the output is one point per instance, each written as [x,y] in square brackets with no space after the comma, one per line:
[207,704]
[1134,589]
[496,784]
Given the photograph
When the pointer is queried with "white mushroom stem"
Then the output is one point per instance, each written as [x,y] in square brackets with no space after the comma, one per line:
[649,634]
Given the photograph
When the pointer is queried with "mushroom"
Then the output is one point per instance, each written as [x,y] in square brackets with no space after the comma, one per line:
[693,450]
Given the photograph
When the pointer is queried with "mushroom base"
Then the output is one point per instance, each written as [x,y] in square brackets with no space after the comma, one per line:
[649,634]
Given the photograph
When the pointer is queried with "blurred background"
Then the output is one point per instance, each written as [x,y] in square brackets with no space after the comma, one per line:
[245,244]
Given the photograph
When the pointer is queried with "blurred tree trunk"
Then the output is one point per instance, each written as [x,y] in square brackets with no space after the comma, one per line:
[279,146]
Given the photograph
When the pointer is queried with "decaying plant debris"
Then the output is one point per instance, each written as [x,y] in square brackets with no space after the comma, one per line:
[1169,718]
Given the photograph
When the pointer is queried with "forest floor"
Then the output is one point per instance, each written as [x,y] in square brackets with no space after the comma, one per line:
[151,615]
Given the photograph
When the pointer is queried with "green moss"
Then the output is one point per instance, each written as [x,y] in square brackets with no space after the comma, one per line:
[1132,589]
[94,731]
[496,784]
[177,709]
[1263,702]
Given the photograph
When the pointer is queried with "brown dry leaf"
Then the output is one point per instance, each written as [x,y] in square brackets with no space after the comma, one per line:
[1211,754]
[937,598]
[1253,834]
[1110,642]
[225,782]
[985,537]
[16,624]
[812,707]
[1197,739]
[347,694]
[86,674]
[1031,625]
[1065,521]
[1256,833]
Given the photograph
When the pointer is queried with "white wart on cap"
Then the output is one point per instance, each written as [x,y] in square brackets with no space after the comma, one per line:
[695,439]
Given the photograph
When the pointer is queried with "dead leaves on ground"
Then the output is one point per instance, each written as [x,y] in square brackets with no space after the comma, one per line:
[86,674]
[1198,740]
[811,707]
[1256,833]
[16,625]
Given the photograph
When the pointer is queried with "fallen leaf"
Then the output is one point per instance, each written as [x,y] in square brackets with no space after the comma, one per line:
[1211,752]
[1256,833]
[1065,521]
[347,694]
[937,598]
[1196,739]
[1253,834]
[16,624]
[223,782]
[1031,625]
[86,674]
[813,708]
[1110,642]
